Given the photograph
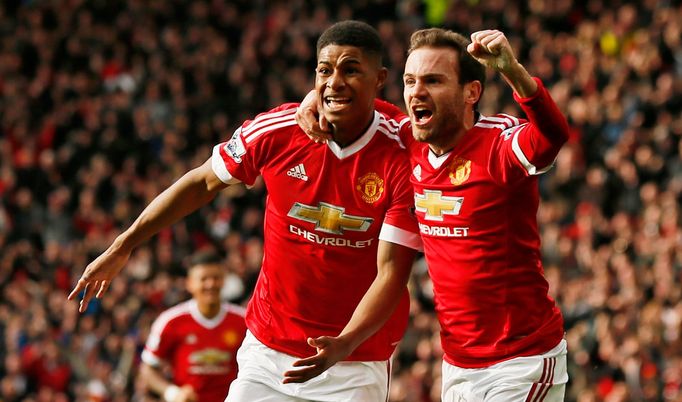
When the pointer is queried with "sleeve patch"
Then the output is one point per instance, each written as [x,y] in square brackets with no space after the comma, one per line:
[234,148]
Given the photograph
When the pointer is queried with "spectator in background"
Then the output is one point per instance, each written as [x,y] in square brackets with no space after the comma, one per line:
[197,339]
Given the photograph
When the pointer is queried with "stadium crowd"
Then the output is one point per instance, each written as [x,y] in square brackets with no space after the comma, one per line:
[105,103]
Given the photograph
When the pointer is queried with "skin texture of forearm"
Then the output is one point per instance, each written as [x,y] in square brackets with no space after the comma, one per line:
[394,263]
[382,297]
[192,191]
[520,80]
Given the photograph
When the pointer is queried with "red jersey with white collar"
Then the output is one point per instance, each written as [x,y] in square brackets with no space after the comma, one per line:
[326,210]
[202,352]
[477,207]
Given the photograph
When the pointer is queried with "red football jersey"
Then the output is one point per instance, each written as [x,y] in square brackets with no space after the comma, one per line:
[201,352]
[477,207]
[327,208]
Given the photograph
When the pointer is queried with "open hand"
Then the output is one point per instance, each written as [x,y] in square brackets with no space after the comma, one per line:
[330,350]
[98,275]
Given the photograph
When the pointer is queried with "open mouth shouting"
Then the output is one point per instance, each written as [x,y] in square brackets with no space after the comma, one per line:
[421,115]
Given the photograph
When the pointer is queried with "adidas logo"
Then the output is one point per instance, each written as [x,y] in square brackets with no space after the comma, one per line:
[298,172]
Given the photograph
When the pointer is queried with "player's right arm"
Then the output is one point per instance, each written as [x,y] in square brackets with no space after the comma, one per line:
[192,191]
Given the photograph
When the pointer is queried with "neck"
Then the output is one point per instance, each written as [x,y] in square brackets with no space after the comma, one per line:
[209,310]
[346,135]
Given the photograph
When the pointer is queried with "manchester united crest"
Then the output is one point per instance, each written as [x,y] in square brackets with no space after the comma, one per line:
[370,186]
[231,338]
[460,169]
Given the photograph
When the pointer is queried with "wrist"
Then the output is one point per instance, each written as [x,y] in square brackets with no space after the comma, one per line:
[348,342]
[171,393]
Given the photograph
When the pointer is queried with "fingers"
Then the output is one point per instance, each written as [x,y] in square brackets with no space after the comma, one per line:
[319,343]
[324,126]
[316,130]
[308,361]
[317,134]
[302,375]
[77,289]
[103,288]
[90,289]
[305,118]
[488,41]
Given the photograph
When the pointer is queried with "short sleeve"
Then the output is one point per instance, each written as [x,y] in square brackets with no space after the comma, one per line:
[240,158]
[159,343]
[400,223]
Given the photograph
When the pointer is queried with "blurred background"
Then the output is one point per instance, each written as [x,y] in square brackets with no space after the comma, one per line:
[104,103]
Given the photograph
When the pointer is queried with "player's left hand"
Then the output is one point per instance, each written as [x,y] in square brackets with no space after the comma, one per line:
[330,350]
[492,49]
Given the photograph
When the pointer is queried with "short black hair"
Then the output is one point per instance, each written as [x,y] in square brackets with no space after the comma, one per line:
[352,33]
[208,257]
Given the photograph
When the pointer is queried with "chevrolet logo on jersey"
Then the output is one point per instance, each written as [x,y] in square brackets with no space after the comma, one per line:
[329,218]
[434,204]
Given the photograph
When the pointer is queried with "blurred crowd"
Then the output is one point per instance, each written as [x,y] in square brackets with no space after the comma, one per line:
[104,103]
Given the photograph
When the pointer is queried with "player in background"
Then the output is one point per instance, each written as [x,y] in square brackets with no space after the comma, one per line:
[197,339]
[339,235]
[476,197]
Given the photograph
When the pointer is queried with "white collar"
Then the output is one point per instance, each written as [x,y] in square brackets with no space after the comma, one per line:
[208,323]
[437,161]
[358,144]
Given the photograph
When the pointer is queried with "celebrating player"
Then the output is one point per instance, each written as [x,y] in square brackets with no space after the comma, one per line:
[339,235]
[198,339]
[476,198]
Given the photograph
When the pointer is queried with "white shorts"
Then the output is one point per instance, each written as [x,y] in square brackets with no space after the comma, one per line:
[261,372]
[539,378]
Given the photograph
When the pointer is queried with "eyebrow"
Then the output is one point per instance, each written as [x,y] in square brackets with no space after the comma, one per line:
[347,61]
[424,76]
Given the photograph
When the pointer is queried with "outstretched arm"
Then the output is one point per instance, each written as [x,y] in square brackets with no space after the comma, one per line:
[394,265]
[192,191]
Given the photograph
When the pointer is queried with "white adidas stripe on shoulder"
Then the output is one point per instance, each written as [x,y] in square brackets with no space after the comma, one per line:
[515,121]
[268,122]
[501,121]
[392,122]
[267,116]
[390,129]
[169,315]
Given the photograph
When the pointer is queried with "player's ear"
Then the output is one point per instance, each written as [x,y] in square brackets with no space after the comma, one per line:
[472,92]
[381,77]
